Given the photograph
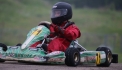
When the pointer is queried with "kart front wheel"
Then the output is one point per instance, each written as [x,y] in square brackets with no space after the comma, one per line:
[72,57]
[2,60]
[19,44]
[108,59]
[4,48]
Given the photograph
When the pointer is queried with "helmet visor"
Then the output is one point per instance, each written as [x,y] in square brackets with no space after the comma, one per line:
[58,13]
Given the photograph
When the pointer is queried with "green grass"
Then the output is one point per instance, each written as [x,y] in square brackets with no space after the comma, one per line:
[100,21]
[17,17]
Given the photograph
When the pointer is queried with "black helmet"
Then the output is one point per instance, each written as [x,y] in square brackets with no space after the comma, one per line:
[61,12]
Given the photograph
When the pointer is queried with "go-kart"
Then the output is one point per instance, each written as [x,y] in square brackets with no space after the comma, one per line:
[32,51]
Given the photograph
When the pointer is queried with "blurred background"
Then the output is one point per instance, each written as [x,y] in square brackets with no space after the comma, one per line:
[100,21]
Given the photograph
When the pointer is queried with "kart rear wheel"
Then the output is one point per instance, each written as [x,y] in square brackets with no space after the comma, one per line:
[4,47]
[108,59]
[72,57]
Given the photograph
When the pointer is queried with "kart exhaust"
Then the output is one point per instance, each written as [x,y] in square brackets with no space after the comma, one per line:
[115,58]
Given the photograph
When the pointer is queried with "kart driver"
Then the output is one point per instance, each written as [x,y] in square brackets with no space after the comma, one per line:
[62,30]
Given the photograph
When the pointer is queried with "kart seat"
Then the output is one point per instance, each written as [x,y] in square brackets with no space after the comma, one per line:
[45,23]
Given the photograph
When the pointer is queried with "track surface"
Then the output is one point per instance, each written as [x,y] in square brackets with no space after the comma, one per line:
[10,65]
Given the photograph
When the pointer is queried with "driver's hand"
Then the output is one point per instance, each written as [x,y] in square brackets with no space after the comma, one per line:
[59,30]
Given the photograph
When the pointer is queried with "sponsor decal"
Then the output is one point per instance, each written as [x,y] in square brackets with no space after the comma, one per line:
[54,53]
[36,32]
[39,58]
[89,58]
[23,55]
[11,55]
[18,55]
[54,6]
[56,60]
[0,55]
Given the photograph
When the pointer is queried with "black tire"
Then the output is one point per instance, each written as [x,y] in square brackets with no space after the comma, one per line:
[22,61]
[108,56]
[98,48]
[2,60]
[67,58]
[4,47]
[19,44]
[72,57]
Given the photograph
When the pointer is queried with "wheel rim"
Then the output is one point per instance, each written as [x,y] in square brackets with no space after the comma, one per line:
[76,57]
[109,57]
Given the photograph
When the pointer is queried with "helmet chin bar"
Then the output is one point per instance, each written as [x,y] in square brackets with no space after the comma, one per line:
[58,20]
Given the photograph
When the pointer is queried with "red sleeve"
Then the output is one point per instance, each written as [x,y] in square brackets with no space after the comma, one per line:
[52,31]
[72,32]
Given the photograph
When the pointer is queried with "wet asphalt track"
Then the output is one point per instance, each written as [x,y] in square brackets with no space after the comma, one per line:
[10,65]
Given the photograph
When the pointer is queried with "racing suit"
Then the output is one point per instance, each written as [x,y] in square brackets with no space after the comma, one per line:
[62,41]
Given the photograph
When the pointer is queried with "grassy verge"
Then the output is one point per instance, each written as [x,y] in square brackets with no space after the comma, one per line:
[17,17]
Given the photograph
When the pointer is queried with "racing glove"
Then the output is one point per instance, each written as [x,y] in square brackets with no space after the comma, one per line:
[59,30]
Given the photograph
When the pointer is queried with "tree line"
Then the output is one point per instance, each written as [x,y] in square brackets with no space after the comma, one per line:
[111,4]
